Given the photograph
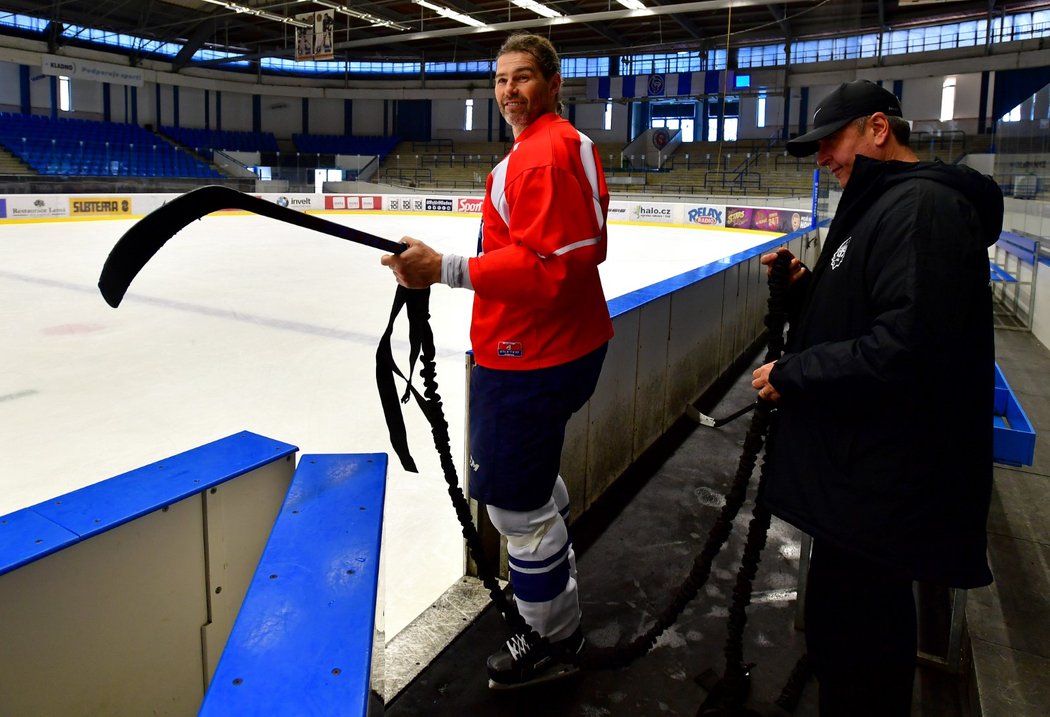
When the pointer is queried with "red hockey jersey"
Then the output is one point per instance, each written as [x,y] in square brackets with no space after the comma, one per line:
[538,298]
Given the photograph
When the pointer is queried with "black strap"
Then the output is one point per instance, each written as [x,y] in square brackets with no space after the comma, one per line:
[421,340]
[727,695]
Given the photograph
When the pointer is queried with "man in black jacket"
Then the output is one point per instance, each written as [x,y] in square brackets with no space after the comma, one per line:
[882,449]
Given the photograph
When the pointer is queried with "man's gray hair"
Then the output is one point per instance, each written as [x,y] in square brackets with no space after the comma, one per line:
[901,129]
[899,126]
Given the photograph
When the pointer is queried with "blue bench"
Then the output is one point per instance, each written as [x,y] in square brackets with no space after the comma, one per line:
[1013,438]
[1011,249]
[302,642]
[1012,263]
[1025,249]
[998,273]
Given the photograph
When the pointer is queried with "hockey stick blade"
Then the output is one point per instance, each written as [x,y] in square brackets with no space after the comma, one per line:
[145,238]
[711,422]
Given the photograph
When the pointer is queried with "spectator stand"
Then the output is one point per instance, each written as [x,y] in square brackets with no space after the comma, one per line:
[87,148]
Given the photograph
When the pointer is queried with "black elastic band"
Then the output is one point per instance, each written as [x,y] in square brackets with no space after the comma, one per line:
[421,339]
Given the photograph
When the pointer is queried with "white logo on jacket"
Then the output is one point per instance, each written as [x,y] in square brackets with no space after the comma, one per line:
[840,254]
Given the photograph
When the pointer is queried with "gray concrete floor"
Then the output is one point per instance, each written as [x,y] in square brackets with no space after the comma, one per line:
[634,551]
[1009,621]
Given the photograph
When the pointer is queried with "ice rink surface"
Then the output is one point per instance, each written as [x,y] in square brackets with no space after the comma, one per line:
[244,323]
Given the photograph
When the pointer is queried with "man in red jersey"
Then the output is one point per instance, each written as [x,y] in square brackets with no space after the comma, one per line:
[539,331]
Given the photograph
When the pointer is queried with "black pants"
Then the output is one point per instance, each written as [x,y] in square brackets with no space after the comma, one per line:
[860,635]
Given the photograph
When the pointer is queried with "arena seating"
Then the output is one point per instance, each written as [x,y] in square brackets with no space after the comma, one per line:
[205,141]
[72,146]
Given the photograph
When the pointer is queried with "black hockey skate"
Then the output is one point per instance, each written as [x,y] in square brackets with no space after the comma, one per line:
[520,662]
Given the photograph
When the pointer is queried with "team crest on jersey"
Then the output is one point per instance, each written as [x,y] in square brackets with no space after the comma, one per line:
[840,254]
[509,349]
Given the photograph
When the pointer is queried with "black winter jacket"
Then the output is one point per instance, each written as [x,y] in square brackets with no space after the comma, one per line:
[883,441]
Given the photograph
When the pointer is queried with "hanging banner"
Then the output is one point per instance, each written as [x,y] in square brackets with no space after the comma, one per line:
[316,42]
[656,85]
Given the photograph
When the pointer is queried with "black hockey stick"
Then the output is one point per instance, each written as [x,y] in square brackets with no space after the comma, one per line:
[710,421]
[148,235]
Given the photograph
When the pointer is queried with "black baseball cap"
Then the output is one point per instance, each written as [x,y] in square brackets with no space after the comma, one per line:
[847,102]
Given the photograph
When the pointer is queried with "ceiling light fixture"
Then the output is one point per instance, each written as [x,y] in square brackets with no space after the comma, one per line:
[450,14]
[632,4]
[539,8]
[236,7]
[371,19]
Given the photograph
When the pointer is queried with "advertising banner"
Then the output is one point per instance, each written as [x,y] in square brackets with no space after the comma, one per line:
[37,207]
[619,212]
[766,219]
[469,205]
[353,202]
[438,204]
[658,213]
[302,202]
[405,203]
[75,68]
[99,206]
[706,215]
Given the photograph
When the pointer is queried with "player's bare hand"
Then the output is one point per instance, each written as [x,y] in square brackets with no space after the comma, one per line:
[417,267]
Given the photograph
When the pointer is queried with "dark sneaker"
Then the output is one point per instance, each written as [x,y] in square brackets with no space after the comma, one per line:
[521,662]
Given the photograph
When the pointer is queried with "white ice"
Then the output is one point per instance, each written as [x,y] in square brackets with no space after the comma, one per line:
[244,323]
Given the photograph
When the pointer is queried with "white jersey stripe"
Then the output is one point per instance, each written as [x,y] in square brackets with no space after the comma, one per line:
[590,167]
[577,245]
[499,189]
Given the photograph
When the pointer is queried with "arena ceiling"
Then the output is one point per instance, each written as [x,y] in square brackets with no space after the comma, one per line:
[414,29]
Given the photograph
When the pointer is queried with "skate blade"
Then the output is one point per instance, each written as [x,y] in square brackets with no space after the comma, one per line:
[562,672]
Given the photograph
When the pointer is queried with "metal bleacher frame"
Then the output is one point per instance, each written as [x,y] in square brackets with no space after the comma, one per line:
[1013,261]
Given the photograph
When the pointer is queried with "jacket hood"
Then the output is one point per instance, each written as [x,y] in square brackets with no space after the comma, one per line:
[871,177]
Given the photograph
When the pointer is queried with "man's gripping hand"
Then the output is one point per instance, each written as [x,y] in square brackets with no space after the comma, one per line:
[417,267]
